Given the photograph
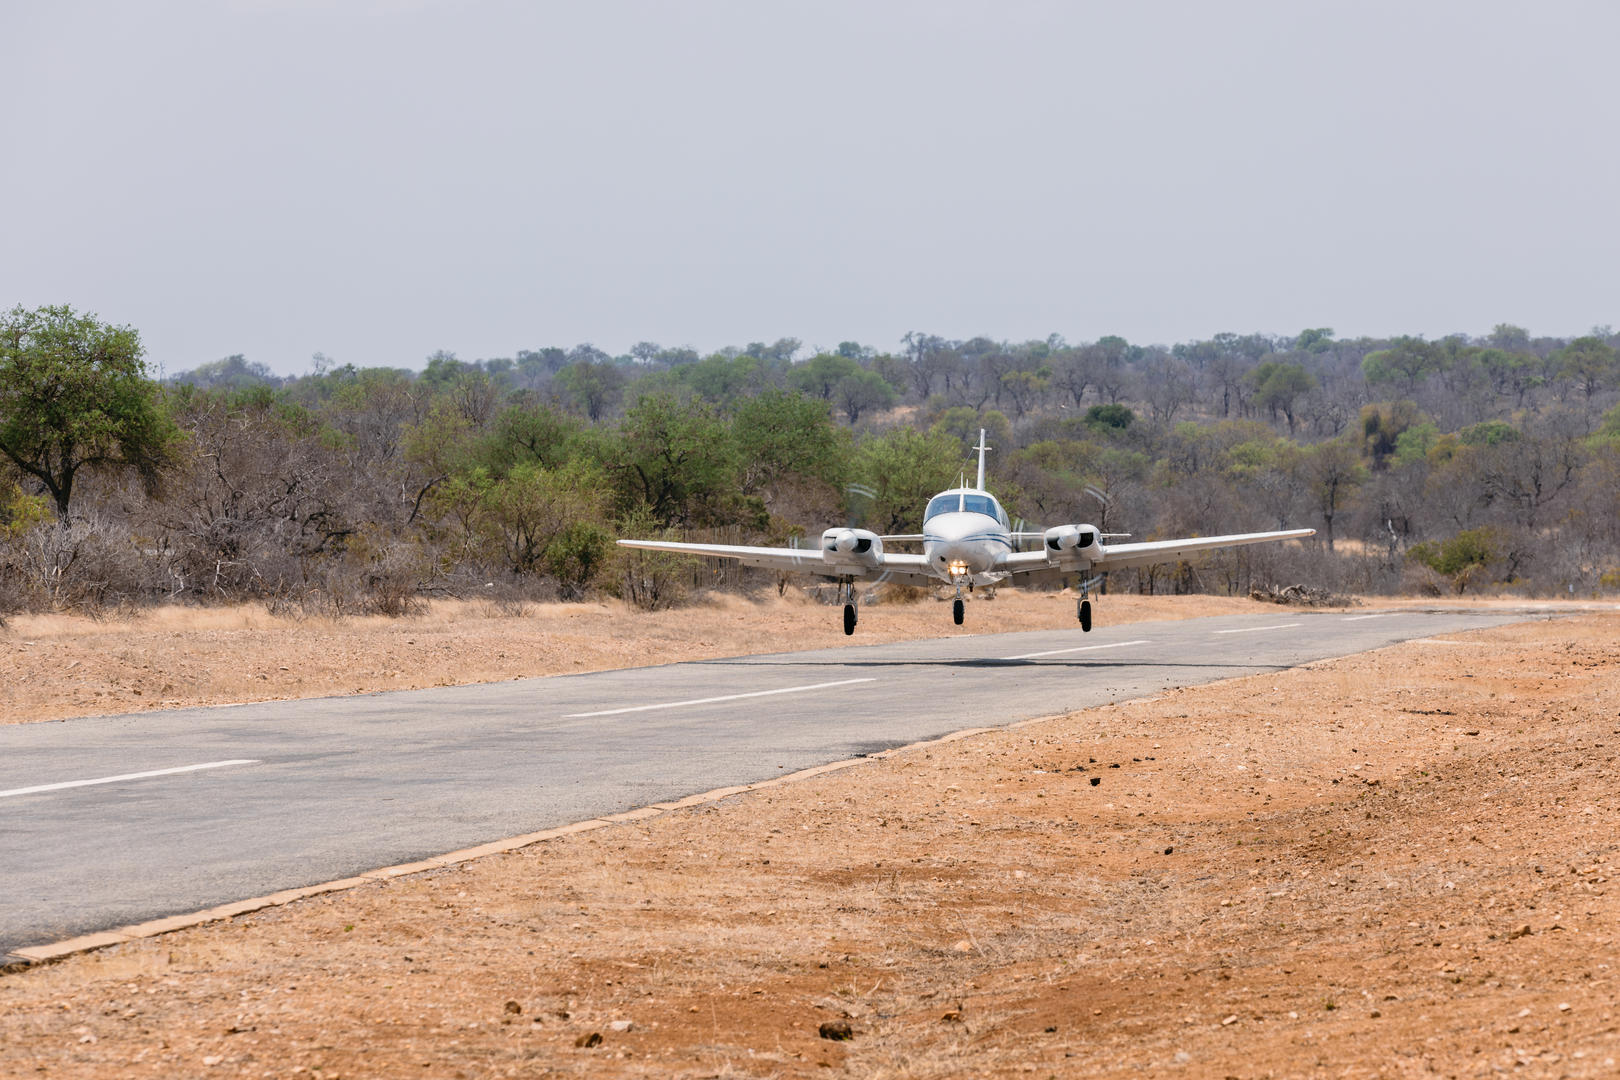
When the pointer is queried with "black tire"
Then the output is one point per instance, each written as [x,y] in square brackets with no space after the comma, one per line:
[1085,616]
[849,618]
[957,608]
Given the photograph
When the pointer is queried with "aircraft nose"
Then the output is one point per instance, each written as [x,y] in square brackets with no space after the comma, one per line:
[953,549]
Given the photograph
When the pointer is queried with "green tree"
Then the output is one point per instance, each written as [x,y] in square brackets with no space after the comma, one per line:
[530,434]
[860,392]
[1510,373]
[592,386]
[231,371]
[818,375]
[782,433]
[528,515]
[676,459]
[1412,446]
[721,379]
[1406,363]
[74,396]
[904,468]
[1589,364]
[1332,472]
[1278,385]
[1109,418]
[1489,433]
[1316,340]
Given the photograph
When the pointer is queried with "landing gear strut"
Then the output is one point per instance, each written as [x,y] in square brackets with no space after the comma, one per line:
[851,614]
[1084,610]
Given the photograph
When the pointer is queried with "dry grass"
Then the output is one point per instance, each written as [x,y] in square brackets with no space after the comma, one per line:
[1353,848]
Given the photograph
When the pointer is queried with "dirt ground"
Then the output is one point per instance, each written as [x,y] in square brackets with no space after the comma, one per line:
[1396,864]
[54,666]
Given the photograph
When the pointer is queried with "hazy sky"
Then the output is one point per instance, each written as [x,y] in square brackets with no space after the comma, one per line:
[377,179]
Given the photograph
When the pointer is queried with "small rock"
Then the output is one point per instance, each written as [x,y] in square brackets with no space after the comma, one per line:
[589,1042]
[622,1025]
[513,1009]
[952,1017]
[1169,851]
[963,946]
[1522,931]
[1230,1020]
[212,1060]
[837,1031]
[1563,1006]
[1095,780]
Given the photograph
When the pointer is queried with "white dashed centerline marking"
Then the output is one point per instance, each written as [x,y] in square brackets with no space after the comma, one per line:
[126,776]
[1374,615]
[712,700]
[1257,629]
[1077,648]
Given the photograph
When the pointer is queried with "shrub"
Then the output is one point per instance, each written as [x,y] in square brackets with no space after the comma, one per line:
[1463,558]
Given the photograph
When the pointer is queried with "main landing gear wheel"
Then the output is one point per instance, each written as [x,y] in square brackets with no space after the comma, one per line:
[849,618]
[957,608]
[1085,616]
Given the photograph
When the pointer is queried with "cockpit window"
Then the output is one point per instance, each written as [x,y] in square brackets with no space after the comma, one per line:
[973,504]
[980,504]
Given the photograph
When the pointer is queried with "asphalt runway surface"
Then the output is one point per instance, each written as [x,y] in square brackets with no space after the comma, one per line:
[108,821]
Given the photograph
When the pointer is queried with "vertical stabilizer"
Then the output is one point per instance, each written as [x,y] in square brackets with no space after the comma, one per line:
[981,448]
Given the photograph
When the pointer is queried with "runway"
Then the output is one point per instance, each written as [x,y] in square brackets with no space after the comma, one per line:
[108,821]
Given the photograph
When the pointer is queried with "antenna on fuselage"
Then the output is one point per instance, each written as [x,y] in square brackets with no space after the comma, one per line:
[981,448]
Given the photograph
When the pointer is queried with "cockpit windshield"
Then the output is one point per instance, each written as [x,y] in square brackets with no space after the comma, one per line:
[953,501]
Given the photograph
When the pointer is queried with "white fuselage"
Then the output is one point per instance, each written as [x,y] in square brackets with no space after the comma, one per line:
[966,536]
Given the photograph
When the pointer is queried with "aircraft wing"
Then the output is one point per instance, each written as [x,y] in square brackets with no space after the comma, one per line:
[905,569]
[1119,556]
[1115,556]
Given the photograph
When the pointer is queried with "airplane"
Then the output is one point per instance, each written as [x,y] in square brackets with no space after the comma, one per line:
[967,540]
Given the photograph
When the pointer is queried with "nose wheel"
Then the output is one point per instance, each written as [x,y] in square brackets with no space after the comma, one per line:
[1083,609]
[957,609]
[849,618]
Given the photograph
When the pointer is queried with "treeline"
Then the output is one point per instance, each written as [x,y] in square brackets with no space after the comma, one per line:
[1455,464]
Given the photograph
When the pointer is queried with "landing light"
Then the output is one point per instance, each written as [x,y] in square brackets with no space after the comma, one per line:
[957,568]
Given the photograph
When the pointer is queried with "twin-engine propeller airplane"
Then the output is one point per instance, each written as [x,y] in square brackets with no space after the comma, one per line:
[966,541]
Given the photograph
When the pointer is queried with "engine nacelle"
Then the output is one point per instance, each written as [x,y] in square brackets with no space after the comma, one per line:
[855,548]
[1065,538]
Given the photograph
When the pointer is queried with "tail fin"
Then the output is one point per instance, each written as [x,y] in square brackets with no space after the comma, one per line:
[981,448]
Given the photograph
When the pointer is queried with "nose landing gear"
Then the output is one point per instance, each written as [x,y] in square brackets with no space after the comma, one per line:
[1083,611]
[851,612]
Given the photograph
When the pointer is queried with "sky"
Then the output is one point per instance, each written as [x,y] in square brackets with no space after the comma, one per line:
[379,179]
